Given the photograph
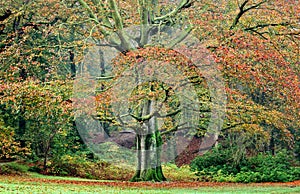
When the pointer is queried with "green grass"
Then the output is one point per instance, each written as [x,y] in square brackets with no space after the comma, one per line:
[31,183]
[51,188]
[10,184]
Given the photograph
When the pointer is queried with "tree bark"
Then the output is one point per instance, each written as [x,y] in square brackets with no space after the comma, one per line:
[148,144]
[149,158]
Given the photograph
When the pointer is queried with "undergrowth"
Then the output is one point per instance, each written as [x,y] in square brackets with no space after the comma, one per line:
[219,166]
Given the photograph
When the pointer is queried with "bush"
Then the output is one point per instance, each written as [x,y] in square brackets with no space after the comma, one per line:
[217,165]
[13,168]
[174,173]
[10,148]
[35,169]
[80,166]
[214,161]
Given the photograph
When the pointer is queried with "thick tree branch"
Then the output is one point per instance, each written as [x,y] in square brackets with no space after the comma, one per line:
[146,9]
[173,129]
[123,38]
[116,15]
[169,114]
[143,118]
[125,43]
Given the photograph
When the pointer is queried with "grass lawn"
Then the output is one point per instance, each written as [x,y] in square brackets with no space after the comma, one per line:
[48,184]
[56,188]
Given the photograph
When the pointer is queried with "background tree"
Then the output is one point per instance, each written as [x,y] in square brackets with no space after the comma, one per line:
[36,71]
[256,44]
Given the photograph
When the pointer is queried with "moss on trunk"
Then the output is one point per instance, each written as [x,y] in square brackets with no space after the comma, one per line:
[149,158]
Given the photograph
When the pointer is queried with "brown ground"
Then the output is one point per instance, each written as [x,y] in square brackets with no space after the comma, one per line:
[176,184]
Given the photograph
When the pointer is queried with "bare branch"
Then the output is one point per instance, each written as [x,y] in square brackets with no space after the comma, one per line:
[105,78]
[243,11]
[6,14]
[260,26]
[255,6]
[182,4]
[261,34]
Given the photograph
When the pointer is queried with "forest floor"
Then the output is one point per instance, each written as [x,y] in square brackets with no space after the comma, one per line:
[173,184]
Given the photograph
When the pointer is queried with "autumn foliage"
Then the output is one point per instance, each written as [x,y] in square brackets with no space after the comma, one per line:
[255,44]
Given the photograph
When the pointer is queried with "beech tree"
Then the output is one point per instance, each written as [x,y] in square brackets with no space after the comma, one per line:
[154,107]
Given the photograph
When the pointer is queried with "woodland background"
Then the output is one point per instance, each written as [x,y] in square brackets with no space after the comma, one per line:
[255,43]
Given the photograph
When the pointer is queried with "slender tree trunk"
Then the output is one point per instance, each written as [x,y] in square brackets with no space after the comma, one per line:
[46,156]
[73,66]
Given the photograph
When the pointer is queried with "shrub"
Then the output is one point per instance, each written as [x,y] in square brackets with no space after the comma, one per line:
[35,169]
[217,165]
[10,148]
[213,161]
[174,173]
[80,166]
[13,168]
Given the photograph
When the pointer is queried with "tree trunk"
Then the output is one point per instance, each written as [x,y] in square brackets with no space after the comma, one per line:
[46,157]
[148,144]
[149,158]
